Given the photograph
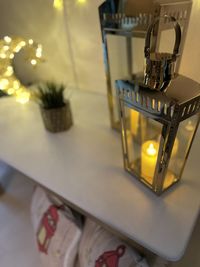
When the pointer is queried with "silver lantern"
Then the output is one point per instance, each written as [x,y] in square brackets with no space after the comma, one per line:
[157,129]
[159,117]
[124,25]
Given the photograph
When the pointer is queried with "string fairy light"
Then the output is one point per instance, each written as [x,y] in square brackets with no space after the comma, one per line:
[82,1]
[58,4]
[9,83]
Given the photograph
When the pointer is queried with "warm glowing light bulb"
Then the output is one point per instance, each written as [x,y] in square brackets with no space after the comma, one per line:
[22,43]
[11,56]
[151,150]
[2,55]
[8,81]
[9,71]
[4,84]
[30,41]
[33,61]
[16,84]
[39,52]
[23,97]
[82,1]
[5,47]
[10,91]
[17,48]
[7,39]
[58,4]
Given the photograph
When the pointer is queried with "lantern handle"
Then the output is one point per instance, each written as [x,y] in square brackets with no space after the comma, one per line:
[150,29]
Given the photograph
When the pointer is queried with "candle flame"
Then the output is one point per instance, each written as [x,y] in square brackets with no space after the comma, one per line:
[151,150]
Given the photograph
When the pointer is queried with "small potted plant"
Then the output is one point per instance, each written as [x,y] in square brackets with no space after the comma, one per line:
[2,93]
[55,110]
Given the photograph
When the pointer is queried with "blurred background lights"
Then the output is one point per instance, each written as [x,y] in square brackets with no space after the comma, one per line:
[4,83]
[10,91]
[33,62]
[11,56]
[39,51]
[7,39]
[9,83]
[16,84]
[6,48]
[2,55]
[22,96]
[82,1]
[30,41]
[58,4]
[9,71]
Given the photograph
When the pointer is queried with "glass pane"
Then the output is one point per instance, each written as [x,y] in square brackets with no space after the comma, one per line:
[182,144]
[138,61]
[143,142]
[126,61]
[118,62]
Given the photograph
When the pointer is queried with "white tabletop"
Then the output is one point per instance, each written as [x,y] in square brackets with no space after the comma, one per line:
[84,165]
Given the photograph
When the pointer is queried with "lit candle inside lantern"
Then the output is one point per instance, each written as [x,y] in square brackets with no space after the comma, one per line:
[149,159]
[134,120]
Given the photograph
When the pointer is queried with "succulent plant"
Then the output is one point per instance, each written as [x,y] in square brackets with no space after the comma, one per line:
[50,95]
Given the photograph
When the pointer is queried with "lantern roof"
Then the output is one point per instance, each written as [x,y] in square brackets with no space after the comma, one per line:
[182,96]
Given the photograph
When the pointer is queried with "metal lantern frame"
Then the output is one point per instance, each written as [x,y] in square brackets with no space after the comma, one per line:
[111,24]
[181,101]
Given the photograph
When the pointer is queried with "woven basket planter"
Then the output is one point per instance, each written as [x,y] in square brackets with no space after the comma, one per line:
[58,119]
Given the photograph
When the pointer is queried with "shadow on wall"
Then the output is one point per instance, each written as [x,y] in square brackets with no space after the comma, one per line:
[71,40]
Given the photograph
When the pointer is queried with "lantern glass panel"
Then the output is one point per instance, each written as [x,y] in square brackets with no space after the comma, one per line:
[181,147]
[142,135]
[118,68]
[121,52]
[157,130]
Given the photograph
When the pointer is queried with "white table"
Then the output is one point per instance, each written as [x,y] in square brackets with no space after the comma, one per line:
[84,166]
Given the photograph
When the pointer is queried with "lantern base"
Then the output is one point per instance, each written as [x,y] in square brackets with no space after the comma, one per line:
[135,170]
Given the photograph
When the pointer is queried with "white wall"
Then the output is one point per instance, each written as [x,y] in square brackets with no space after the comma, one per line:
[85,37]
[38,20]
[190,65]
[72,41]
